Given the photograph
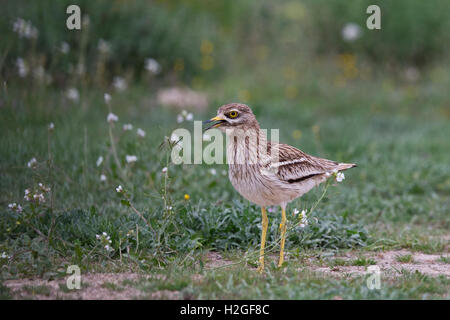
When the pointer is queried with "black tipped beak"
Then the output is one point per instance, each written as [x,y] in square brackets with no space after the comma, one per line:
[215,122]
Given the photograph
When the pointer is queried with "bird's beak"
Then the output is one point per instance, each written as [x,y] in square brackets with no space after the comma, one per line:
[217,121]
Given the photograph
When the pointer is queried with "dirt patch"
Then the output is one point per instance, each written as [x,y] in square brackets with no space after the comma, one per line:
[390,263]
[215,260]
[98,286]
[424,263]
[112,286]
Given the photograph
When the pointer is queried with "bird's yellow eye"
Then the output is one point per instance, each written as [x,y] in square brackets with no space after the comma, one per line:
[233,114]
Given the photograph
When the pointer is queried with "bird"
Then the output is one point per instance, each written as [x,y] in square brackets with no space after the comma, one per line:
[267,173]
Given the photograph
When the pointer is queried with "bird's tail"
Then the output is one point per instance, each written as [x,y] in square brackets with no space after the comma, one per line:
[345,166]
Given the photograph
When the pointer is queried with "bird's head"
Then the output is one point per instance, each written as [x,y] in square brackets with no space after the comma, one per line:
[233,116]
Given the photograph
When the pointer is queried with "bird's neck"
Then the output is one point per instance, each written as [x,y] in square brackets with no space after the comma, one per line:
[246,147]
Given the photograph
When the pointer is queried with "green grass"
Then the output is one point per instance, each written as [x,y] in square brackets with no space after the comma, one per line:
[363,261]
[295,282]
[444,259]
[406,258]
[112,286]
[396,132]
[5,292]
[36,290]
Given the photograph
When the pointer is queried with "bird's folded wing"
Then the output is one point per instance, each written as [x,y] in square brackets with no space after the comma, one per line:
[293,165]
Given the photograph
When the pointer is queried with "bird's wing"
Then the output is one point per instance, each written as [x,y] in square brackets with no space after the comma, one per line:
[293,165]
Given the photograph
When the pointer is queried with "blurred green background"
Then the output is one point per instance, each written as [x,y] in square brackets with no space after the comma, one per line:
[379,98]
[197,41]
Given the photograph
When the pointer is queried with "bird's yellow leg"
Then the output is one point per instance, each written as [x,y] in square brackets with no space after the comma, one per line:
[283,235]
[265,223]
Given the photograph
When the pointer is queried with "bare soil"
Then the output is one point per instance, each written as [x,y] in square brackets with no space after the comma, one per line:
[428,264]
[110,286]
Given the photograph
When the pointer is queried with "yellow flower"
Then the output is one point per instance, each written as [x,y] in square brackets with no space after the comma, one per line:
[316,129]
[291,92]
[207,47]
[17,222]
[186,197]
[179,65]
[297,134]
[207,63]
[244,95]
[262,52]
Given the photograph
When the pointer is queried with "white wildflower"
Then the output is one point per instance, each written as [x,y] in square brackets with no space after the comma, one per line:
[102,178]
[140,132]
[73,94]
[127,127]
[28,195]
[152,66]
[119,189]
[303,219]
[351,32]
[130,159]
[105,240]
[43,188]
[51,126]
[64,48]
[22,67]
[103,46]
[38,198]
[213,171]
[296,211]
[32,163]
[4,255]
[112,117]
[164,170]
[184,115]
[340,176]
[189,116]
[15,207]
[107,98]
[119,83]
[25,29]
[99,161]
[174,138]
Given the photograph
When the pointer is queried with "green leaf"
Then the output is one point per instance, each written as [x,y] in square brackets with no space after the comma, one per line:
[125,202]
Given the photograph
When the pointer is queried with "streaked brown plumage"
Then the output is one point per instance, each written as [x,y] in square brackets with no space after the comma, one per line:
[264,172]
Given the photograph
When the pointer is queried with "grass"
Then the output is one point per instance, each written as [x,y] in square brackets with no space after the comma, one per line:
[37,290]
[396,132]
[295,282]
[444,259]
[406,258]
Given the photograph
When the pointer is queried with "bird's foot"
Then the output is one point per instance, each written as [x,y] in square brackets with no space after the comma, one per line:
[260,267]
[280,262]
